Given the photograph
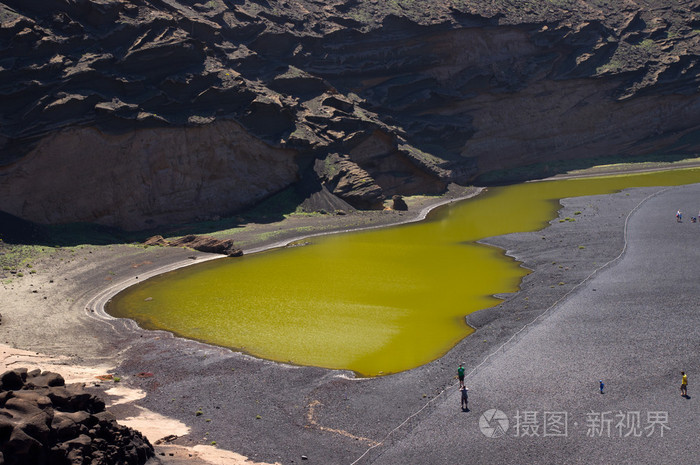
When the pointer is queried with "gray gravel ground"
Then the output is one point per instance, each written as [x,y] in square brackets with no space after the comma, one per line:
[634,331]
[631,324]
[634,325]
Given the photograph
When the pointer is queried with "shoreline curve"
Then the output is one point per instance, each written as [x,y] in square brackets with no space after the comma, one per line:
[95,307]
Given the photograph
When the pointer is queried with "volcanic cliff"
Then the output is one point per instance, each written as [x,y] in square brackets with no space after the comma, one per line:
[135,113]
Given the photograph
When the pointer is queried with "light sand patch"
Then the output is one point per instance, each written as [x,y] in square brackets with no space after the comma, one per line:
[211,455]
[124,395]
[11,358]
[222,457]
[154,425]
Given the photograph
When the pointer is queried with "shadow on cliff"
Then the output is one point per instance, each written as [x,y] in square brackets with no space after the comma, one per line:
[15,230]
[270,210]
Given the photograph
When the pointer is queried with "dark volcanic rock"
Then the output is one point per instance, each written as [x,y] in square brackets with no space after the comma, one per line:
[201,243]
[134,114]
[346,179]
[399,203]
[44,422]
[208,244]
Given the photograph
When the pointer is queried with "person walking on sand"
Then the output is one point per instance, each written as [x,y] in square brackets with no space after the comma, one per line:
[465,399]
[460,375]
[684,384]
[679,216]
[602,387]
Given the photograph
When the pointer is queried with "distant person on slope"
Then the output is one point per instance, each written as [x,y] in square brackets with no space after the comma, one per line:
[460,375]
[465,399]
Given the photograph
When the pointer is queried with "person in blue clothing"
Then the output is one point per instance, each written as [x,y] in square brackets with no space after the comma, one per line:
[602,386]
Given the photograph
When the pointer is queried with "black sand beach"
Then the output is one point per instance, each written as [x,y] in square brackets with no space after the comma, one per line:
[630,323]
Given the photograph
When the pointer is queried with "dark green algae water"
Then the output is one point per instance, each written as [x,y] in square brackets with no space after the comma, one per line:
[375,302]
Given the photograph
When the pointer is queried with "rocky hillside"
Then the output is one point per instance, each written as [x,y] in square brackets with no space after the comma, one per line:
[135,113]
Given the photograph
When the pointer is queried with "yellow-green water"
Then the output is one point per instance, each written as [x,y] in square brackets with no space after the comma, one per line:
[375,302]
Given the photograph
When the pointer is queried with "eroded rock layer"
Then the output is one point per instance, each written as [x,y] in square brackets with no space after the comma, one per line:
[202,243]
[133,114]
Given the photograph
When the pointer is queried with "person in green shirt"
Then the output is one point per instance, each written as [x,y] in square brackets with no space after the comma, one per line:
[460,375]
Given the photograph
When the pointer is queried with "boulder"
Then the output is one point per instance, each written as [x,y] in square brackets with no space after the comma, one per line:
[156,240]
[201,243]
[43,421]
[399,203]
[12,380]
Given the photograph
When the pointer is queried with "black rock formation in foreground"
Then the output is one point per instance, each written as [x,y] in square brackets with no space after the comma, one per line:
[43,421]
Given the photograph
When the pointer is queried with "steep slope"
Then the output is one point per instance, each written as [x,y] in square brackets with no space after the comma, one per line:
[134,113]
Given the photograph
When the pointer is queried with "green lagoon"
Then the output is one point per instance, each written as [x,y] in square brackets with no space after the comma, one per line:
[375,302]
